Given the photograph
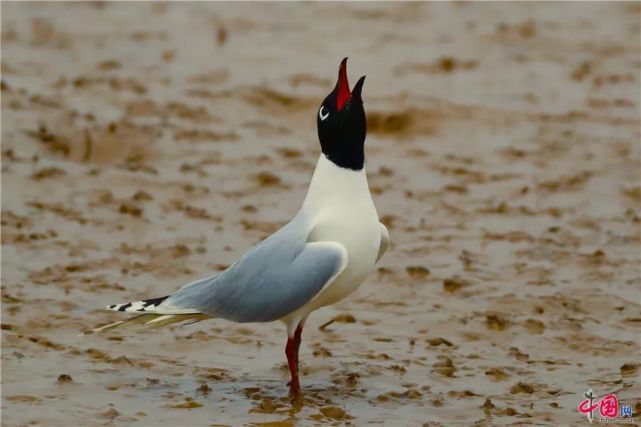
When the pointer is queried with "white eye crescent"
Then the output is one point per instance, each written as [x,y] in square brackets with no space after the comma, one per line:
[321,115]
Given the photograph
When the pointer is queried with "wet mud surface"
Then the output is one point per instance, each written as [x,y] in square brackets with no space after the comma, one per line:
[147,145]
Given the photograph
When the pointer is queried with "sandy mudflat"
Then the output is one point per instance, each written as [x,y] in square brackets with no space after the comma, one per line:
[147,145]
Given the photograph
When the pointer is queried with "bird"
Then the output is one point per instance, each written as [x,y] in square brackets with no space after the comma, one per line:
[317,259]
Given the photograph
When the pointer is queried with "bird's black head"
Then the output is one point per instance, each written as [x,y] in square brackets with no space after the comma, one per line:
[341,123]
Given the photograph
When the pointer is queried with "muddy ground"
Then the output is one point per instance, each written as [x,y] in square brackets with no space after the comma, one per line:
[147,145]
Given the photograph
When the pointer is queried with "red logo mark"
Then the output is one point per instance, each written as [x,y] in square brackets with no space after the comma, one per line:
[608,406]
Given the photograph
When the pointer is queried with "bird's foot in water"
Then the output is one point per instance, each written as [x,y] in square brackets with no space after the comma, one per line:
[294,388]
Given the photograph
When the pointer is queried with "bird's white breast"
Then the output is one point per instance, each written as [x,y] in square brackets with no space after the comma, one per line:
[341,209]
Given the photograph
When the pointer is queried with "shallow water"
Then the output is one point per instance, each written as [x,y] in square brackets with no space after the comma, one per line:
[147,145]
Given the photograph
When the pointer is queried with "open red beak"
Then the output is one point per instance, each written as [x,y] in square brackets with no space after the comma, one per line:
[342,86]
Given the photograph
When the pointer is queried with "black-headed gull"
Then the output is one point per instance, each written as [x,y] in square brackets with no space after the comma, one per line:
[320,257]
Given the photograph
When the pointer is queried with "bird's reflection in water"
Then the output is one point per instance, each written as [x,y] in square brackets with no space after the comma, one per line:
[318,402]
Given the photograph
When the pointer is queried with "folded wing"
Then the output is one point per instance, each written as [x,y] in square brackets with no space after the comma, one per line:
[382,248]
[273,280]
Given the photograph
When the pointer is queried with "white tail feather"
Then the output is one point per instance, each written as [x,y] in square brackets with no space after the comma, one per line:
[153,319]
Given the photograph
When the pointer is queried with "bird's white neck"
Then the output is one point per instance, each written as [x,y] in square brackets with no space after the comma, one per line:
[332,184]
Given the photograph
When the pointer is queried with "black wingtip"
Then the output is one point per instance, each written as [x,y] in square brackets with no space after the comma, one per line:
[153,301]
[124,307]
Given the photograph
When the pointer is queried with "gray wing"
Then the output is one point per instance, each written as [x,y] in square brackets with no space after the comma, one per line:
[382,248]
[274,279]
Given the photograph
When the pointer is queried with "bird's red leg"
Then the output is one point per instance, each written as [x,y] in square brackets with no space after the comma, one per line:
[297,340]
[291,351]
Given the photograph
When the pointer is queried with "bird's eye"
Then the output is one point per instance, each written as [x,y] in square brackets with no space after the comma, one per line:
[322,115]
